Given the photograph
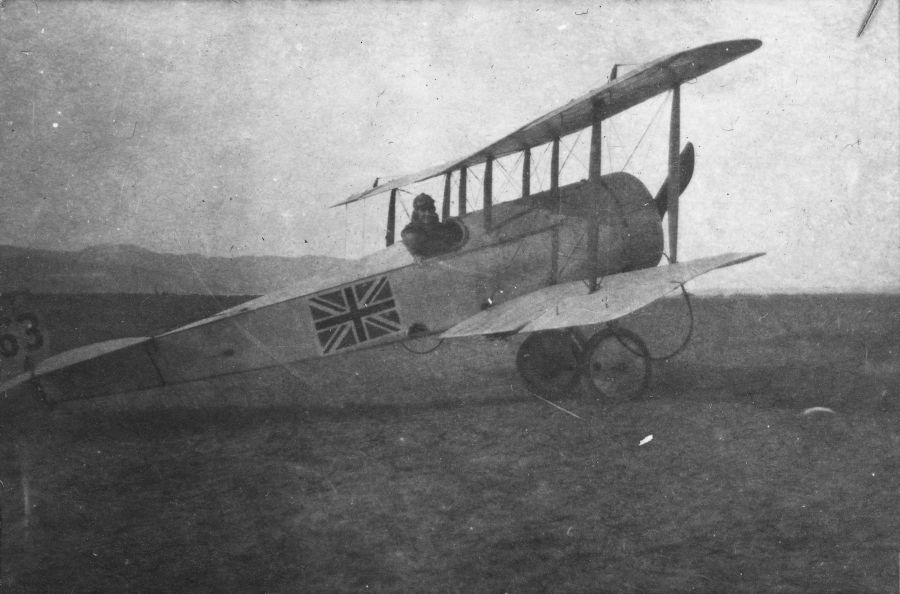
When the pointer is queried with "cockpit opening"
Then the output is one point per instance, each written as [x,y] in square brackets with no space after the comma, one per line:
[426,235]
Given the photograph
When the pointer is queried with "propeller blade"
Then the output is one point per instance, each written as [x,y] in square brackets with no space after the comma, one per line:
[687,171]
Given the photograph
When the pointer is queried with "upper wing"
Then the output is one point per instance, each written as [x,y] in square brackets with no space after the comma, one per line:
[620,94]
[571,304]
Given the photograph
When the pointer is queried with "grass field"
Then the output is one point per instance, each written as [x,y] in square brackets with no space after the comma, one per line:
[387,471]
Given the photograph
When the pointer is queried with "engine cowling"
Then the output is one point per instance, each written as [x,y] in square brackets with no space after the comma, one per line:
[629,228]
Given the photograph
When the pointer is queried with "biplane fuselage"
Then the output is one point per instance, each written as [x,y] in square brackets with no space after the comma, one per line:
[390,295]
[574,255]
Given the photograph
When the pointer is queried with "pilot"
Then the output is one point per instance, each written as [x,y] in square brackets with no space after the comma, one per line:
[426,235]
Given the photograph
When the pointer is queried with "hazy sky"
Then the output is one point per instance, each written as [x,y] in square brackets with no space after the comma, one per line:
[229,128]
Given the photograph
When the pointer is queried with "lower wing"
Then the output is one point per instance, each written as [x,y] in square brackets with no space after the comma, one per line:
[572,304]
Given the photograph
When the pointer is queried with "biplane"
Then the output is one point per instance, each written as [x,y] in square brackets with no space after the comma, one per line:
[546,264]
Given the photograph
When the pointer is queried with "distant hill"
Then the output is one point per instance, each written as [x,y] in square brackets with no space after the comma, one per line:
[132,269]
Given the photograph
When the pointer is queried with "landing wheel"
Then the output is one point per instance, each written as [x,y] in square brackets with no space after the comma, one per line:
[615,365]
[549,362]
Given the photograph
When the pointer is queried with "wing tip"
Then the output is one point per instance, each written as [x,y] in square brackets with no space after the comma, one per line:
[746,44]
[746,257]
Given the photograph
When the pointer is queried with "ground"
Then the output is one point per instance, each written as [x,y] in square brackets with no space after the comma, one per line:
[390,471]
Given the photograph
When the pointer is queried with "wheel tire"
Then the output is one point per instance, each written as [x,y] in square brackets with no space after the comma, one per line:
[615,365]
[549,362]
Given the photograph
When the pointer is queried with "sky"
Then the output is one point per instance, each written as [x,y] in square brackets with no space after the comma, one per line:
[229,128]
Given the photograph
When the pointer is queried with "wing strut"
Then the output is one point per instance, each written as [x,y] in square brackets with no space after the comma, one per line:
[392,219]
[674,187]
[463,174]
[488,200]
[554,172]
[594,173]
[526,172]
[445,204]
[554,194]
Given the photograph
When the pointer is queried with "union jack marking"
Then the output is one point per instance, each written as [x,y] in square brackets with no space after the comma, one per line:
[354,314]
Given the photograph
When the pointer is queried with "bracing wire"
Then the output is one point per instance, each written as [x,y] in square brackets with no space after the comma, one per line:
[572,151]
[480,184]
[536,168]
[647,129]
[514,165]
[509,178]
[405,210]
[609,145]
[577,242]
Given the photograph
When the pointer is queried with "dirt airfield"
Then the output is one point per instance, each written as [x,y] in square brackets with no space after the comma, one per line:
[388,471]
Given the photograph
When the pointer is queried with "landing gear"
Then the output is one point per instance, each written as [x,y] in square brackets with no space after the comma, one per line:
[614,364]
[549,362]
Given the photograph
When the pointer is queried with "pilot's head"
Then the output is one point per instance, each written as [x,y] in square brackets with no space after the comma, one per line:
[423,209]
